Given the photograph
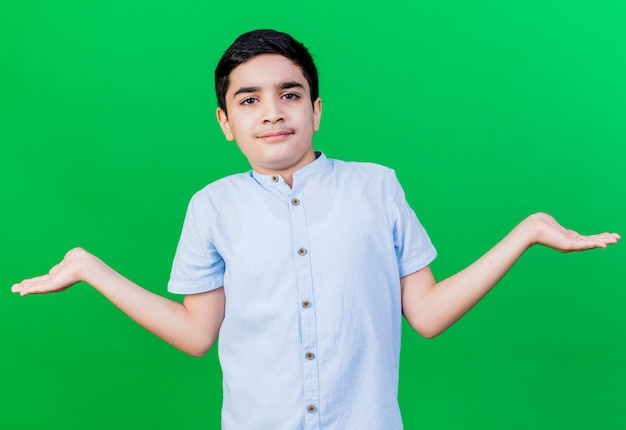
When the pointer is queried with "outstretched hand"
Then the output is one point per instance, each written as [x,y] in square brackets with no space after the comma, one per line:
[59,278]
[550,233]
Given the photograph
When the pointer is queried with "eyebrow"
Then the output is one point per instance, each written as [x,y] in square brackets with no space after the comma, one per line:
[244,90]
[290,84]
[282,85]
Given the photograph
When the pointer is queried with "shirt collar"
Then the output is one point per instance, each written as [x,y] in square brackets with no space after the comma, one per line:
[320,163]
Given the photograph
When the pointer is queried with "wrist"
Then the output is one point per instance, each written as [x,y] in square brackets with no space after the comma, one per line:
[83,264]
[529,228]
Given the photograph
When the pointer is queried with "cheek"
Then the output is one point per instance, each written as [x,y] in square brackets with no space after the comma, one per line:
[243,125]
[247,149]
[235,129]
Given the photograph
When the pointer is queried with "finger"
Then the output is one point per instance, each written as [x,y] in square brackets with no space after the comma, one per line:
[34,288]
[608,238]
[612,237]
[16,288]
[589,242]
[24,291]
[21,289]
[35,280]
[32,285]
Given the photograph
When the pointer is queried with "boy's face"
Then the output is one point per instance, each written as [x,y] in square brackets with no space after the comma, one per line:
[270,114]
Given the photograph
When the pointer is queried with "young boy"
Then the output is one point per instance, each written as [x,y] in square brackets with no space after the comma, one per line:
[305,265]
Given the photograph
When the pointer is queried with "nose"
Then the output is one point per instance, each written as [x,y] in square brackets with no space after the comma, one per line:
[272,112]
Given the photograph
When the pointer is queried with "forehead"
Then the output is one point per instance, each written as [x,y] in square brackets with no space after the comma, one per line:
[265,70]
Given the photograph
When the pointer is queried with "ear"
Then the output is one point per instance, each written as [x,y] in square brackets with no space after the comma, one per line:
[317,114]
[222,118]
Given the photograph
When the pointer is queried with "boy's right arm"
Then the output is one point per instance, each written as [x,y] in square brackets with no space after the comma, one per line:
[191,326]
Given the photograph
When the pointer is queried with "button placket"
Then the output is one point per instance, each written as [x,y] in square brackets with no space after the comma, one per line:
[308,325]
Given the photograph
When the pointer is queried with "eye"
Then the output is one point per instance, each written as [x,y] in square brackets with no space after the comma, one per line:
[249,101]
[291,96]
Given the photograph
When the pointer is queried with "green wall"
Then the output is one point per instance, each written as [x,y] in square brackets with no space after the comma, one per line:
[488,111]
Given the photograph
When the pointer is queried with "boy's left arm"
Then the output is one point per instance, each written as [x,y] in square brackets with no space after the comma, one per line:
[431,307]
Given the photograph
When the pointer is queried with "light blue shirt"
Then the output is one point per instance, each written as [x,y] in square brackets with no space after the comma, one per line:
[311,274]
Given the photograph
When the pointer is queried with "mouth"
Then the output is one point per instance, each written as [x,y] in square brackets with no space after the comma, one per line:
[276,135]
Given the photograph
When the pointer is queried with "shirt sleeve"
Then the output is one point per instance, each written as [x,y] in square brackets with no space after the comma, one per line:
[414,250]
[197,267]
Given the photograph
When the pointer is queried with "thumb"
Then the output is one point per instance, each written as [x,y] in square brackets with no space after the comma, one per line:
[55,269]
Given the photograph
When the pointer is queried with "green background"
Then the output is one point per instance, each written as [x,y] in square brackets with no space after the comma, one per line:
[488,111]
